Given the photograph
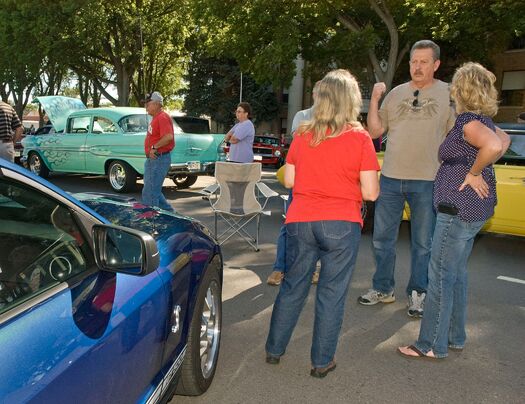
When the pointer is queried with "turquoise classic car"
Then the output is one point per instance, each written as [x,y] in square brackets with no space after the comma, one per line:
[110,141]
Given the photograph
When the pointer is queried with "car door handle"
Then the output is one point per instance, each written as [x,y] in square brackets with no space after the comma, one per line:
[175,321]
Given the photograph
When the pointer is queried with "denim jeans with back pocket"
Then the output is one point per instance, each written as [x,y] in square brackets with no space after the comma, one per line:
[335,243]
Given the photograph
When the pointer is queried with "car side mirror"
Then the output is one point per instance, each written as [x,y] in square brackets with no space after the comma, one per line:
[124,250]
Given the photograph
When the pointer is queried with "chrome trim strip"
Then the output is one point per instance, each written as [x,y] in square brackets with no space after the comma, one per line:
[162,387]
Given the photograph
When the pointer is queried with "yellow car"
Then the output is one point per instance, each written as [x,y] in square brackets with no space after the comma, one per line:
[509,215]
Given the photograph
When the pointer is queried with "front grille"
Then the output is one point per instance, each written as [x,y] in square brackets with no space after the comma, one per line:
[263,150]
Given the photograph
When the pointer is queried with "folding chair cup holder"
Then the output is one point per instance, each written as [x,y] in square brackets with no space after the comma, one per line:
[237,199]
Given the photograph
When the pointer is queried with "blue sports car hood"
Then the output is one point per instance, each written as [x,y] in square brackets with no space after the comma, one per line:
[126,211]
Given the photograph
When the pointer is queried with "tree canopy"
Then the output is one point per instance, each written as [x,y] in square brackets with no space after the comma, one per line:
[201,46]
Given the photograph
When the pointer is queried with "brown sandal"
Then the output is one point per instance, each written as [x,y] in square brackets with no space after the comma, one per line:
[419,354]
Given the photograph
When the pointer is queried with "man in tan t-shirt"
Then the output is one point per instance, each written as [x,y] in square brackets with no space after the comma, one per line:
[417,116]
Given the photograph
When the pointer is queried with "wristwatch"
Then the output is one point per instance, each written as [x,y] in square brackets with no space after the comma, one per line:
[153,147]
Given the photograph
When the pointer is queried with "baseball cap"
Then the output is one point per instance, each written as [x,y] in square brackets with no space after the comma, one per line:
[154,96]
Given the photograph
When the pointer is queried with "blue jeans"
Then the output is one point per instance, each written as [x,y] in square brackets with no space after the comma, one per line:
[280,258]
[387,218]
[443,322]
[155,170]
[335,242]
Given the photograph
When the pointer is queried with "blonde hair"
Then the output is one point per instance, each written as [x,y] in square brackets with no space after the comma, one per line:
[473,90]
[337,104]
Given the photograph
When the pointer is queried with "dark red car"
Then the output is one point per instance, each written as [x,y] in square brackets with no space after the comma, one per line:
[267,149]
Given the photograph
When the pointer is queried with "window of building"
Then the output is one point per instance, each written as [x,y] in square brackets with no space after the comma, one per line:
[513,88]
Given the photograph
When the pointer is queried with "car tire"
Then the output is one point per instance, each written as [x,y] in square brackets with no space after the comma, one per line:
[37,166]
[121,176]
[198,369]
[184,180]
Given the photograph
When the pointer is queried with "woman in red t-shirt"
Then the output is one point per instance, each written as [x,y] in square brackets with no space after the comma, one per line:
[332,167]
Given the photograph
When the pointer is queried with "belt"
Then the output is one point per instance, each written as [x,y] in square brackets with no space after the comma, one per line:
[161,154]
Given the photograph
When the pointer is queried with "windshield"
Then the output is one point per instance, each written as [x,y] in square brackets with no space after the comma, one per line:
[135,123]
[266,140]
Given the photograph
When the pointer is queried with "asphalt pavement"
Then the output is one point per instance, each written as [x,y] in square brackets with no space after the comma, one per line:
[491,369]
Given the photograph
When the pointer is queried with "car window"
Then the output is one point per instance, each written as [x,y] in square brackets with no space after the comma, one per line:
[79,124]
[42,245]
[267,140]
[515,154]
[177,130]
[135,123]
[103,125]
[189,124]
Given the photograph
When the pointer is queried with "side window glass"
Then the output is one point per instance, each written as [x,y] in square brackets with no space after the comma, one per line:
[79,124]
[515,154]
[42,245]
[135,123]
[103,125]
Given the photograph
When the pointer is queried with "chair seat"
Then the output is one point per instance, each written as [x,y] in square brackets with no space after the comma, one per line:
[238,198]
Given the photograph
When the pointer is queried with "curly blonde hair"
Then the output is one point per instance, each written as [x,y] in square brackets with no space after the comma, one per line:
[337,105]
[473,90]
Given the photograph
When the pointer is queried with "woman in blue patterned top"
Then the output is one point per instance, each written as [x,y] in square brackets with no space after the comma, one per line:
[464,198]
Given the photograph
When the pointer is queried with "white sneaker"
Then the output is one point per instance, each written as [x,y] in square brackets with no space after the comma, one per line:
[375,296]
[416,301]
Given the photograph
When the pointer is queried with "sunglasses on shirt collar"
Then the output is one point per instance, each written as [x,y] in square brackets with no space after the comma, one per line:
[415,103]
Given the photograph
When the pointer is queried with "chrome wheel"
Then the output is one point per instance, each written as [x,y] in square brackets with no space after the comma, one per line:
[37,166]
[184,180]
[122,177]
[117,176]
[210,330]
[204,337]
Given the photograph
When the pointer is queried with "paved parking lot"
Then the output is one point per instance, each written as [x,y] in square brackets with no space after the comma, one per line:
[490,370]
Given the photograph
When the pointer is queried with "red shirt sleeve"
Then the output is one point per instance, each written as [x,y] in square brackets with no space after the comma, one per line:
[290,156]
[369,158]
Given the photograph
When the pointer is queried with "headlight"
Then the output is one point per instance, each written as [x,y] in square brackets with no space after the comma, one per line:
[277,153]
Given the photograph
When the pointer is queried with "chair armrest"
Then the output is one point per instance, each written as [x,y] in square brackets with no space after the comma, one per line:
[210,189]
[265,190]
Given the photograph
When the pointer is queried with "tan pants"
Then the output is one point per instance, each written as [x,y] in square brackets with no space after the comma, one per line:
[7,151]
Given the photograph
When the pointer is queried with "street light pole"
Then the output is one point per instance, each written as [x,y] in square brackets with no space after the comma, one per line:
[240,92]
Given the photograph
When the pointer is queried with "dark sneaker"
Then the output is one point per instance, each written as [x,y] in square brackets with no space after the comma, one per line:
[272,360]
[322,372]
[416,302]
[375,296]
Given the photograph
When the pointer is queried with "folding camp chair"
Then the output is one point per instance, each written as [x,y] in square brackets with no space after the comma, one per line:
[238,198]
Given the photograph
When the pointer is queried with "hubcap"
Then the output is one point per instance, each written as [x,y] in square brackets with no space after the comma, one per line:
[117,176]
[210,330]
[179,179]
[35,165]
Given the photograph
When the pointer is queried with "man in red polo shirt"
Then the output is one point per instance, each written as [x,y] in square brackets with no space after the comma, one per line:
[158,145]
